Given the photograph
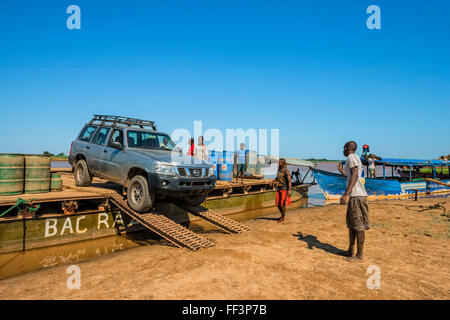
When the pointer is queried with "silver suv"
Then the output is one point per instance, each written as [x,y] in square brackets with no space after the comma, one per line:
[132,153]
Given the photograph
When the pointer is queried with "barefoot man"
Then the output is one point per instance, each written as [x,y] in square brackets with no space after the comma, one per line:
[356,195]
[240,161]
[284,186]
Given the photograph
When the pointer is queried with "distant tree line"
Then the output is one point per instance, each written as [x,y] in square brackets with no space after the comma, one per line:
[321,160]
[53,155]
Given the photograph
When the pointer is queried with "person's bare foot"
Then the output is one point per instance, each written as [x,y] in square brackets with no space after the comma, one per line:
[355,259]
[348,253]
[280,219]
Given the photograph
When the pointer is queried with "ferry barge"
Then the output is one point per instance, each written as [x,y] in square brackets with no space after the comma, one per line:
[84,213]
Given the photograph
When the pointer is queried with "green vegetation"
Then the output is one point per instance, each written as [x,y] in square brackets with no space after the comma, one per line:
[321,160]
[58,157]
[439,170]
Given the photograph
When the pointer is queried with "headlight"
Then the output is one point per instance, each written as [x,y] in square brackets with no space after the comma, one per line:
[211,171]
[164,169]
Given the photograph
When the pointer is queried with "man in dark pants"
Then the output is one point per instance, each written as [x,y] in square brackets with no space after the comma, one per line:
[356,195]
[241,161]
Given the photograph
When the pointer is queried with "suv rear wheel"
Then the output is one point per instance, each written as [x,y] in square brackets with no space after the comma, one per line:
[195,200]
[82,176]
[138,195]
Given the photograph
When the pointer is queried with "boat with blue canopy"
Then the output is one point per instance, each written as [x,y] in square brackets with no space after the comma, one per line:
[400,178]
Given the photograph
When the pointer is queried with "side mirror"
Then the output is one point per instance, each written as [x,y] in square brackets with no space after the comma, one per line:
[116,145]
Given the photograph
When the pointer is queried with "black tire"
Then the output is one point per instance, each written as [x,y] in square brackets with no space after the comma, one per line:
[138,196]
[195,200]
[82,176]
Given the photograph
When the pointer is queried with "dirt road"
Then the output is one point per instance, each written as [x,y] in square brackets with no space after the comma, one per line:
[297,259]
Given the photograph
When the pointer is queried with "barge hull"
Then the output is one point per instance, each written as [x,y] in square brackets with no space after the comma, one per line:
[56,228]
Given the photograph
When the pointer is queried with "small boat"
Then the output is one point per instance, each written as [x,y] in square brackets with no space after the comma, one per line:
[408,176]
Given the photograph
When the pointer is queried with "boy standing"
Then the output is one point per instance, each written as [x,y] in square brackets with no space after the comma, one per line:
[240,160]
[356,195]
[284,187]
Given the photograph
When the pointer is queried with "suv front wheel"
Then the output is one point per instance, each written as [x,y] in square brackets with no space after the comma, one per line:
[82,176]
[138,195]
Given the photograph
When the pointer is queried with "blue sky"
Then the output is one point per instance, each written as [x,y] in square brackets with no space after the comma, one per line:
[309,68]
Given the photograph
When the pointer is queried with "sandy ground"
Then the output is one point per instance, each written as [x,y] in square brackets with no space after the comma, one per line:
[297,259]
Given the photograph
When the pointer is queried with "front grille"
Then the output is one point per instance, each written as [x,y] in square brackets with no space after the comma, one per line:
[194,172]
[182,172]
[195,184]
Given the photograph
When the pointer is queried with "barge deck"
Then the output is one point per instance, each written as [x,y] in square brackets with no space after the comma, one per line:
[101,190]
[86,213]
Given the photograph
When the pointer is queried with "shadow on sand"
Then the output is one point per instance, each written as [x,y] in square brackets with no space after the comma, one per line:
[266,218]
[312,242]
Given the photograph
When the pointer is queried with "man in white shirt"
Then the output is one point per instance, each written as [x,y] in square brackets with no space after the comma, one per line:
[240,161]
[356,195]
[200,150]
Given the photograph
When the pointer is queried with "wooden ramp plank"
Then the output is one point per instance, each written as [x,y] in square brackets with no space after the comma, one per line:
[216,219]
[163,226]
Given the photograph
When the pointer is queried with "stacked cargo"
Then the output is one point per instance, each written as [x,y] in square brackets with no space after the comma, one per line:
[37,174]
[252,158]
[11,174]
[214,159]
[258,166]
[27,174]
[227,169]
[56,182]
[226,164]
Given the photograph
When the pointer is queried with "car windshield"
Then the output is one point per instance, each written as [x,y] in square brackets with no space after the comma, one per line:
[149,140]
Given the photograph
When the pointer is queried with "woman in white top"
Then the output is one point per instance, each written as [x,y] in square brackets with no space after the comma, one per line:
[200,150]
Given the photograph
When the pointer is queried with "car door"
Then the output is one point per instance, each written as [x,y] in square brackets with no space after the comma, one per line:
[83,145]
[96,149]
[113,159]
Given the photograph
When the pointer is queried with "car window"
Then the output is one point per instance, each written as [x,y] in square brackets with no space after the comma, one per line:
[100,136]
[149,140]
[165,142]
[117,136]
[87,132]
[132,139]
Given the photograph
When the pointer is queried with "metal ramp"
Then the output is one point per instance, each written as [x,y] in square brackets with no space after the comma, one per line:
[163,226]
[226,224]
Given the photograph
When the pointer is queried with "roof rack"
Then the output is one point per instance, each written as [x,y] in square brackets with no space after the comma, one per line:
[104,119]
